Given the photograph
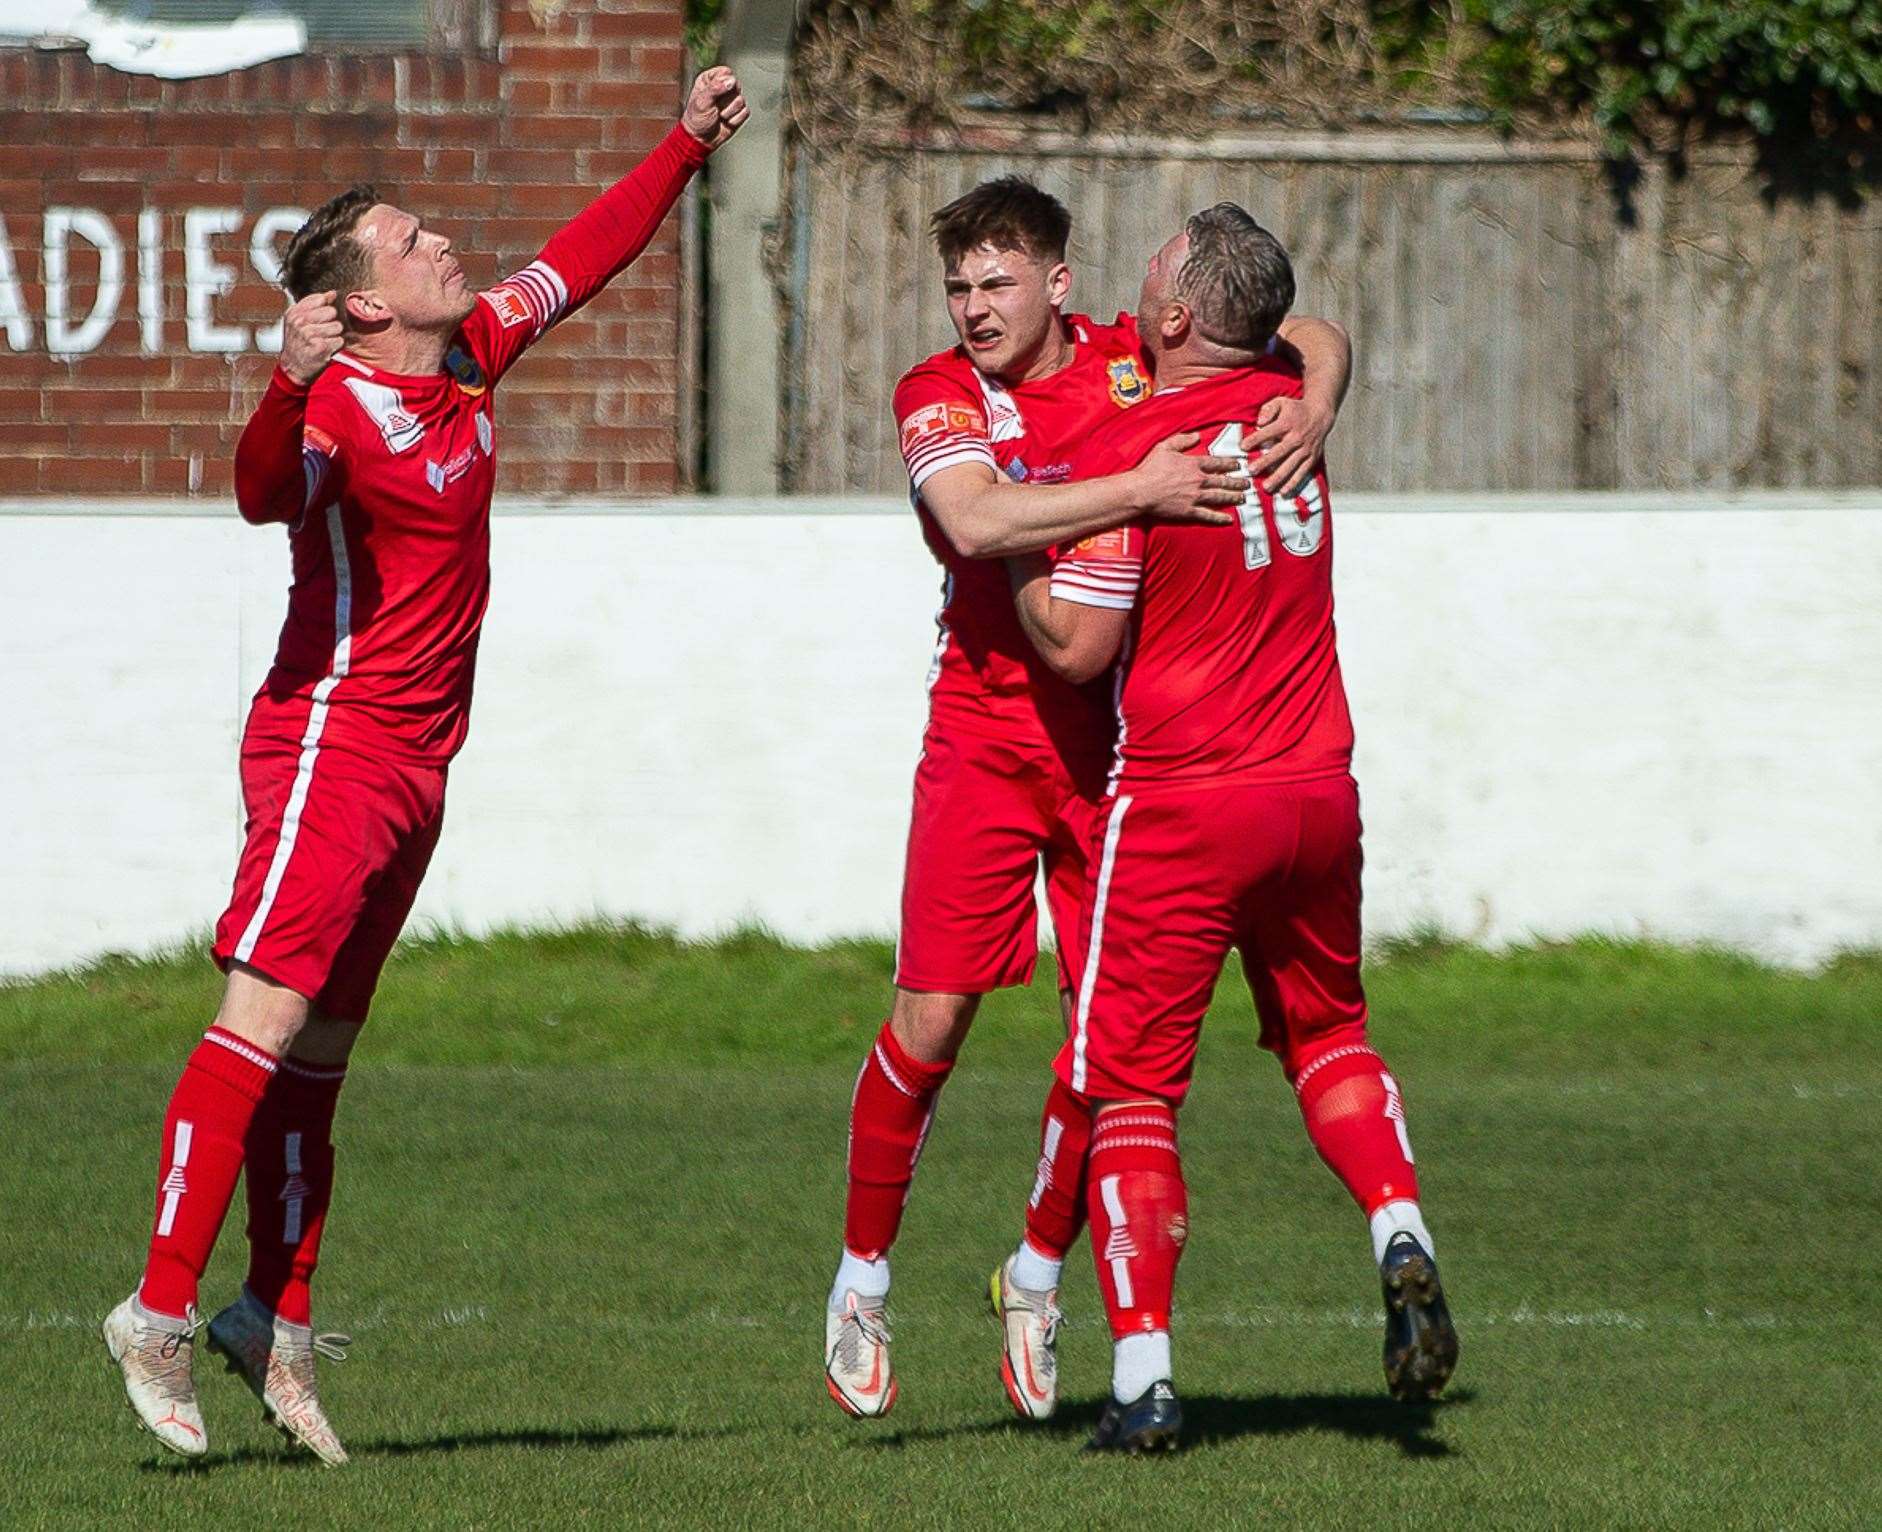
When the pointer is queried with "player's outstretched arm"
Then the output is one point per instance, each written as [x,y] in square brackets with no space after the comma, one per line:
[1077,641]
[606,237]
[270,479]
[986,516]
[1291,434]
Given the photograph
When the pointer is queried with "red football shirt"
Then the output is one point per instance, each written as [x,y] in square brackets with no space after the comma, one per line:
[987,677]
[1229,671]
[386,480]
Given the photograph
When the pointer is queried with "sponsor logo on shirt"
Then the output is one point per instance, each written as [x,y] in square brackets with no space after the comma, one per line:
[507,304]
[437,474]
[1016,471]
[1128,384]
[464,371]
[944,419]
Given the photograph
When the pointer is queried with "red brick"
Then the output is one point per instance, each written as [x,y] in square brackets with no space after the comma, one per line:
[528,95]
[561,200]
[549,59]
[22,475]
[661,63]
[109,368]
[31,127]
[613,26]
[453,129]
[26,438]
[450,164]
[652,478]
[206,406]
[327,130]
[87,406]
[120,439]
[78,475]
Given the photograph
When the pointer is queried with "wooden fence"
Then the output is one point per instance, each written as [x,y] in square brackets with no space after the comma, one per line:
[1513,330]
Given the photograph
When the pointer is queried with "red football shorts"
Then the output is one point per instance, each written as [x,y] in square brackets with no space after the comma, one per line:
[1182,876]
[986,812]
[336,847]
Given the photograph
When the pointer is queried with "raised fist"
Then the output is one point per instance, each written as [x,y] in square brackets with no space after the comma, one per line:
[310,335]
[715,107]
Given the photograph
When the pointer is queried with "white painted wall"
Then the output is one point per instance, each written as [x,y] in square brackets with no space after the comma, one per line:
[1605,713]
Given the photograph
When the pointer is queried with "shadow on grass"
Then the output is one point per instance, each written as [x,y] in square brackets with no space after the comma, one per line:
[468,1441]
[1212,1419]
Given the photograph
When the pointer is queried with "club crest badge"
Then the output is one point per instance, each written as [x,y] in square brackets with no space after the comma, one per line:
[1128,384]
[464,371]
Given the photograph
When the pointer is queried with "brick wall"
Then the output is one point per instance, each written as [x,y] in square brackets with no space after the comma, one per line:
[196,183]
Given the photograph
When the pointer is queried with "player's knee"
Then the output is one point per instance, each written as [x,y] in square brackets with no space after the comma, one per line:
[258,1010]
[324,1040]
[932,1027]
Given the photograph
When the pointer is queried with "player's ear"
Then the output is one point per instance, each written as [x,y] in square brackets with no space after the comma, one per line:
[1058,284]
[363,309]
[1175,323]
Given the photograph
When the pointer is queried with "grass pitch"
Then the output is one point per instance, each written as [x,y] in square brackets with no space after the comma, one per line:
[590,1197]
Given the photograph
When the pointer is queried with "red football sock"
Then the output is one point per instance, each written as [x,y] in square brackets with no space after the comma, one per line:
[1056,1211]
[290,1183]
[889,1117]
[1356,1120]
[1139,1213]
[203,1132]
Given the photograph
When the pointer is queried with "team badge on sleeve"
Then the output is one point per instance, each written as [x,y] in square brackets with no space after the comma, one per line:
[1114,544]
[1128,384]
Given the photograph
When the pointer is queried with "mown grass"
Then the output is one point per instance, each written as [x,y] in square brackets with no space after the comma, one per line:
[591,1191]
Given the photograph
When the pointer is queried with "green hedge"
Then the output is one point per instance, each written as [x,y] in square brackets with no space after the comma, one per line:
[1643,72]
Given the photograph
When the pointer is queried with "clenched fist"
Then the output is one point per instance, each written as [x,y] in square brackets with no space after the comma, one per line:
[310,335]
[715,107]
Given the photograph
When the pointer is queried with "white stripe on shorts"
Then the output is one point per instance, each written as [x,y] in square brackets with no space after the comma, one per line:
[310,741]
[1081,1020]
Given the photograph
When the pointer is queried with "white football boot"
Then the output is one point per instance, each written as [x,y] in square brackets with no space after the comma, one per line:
[1029,1361]
[153,1352]
[856,1363]
[276,1359]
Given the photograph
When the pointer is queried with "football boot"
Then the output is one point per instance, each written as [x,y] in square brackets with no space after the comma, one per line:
[1152,1422]
[275,1358]
[1420,1340]
[856,1367]
[153,1352]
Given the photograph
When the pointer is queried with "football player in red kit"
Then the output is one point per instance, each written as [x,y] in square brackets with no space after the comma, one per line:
[376,443]
[1231,819]
[1013,754]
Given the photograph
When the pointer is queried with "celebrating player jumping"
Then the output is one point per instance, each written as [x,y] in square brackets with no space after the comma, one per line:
[376,444]
[1014,755]
[1231,820]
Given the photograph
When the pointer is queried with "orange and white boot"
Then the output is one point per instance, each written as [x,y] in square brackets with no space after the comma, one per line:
[856,1365]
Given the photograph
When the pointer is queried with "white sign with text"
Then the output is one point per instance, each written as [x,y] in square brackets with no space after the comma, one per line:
[207,277]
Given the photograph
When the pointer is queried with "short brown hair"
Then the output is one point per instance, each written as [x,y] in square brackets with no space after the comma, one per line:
[1009,213]
[323,254]
[1236,279]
